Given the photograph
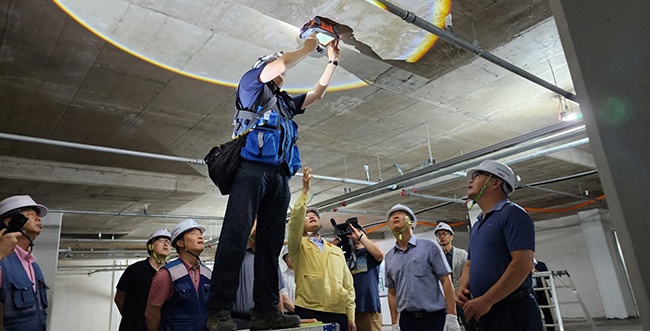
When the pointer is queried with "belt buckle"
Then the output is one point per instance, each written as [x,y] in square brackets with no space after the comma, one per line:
[418,314]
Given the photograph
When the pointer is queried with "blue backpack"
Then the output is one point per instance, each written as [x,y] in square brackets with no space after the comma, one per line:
[270,131]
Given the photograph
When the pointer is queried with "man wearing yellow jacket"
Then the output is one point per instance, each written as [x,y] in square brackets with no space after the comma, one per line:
[324,285]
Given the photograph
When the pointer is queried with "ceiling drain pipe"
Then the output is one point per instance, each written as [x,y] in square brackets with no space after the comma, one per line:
[98,148]
[471,47]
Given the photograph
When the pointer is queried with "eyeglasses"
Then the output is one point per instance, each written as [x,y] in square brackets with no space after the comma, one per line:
[163,241]
[477,173]
[443,233]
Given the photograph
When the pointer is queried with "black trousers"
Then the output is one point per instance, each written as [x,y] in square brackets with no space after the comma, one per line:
[422,321]
[518,315]
[324,317]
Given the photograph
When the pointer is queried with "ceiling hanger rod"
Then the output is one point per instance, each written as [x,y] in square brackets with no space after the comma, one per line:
[471,47]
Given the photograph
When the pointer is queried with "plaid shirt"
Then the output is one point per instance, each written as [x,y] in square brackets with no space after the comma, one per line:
[289,284]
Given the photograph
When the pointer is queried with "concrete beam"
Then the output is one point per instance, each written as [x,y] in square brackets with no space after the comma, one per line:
[575,156]
[80,174]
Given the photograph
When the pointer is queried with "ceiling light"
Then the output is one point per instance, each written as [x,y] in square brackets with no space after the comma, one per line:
[573,115]
[566,111]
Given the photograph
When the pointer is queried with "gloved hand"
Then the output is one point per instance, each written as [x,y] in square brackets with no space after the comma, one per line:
[451,323]
[395,327]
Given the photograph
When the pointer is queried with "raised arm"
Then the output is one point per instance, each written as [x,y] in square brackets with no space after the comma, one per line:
[370,245]
[288,60]
[333,53]
[297,220]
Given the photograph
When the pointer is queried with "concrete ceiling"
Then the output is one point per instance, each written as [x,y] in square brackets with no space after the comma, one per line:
[158,77]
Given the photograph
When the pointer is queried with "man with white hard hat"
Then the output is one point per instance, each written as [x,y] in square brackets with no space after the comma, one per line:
[133,287]
[420,289]
[179,290]
[22,285]
[496,285]
[456,258]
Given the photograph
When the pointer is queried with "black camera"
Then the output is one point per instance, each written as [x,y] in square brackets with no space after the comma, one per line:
[342,230]
[17,223]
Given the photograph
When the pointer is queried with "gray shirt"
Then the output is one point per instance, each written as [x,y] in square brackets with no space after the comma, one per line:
[415,274]
[244,299]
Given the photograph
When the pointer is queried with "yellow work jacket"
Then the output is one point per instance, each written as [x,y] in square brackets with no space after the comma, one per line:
[323,280]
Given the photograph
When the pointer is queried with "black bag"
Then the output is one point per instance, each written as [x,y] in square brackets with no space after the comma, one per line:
[223,162]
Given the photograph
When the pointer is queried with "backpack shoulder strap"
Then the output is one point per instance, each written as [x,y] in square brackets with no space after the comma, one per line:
[249,116]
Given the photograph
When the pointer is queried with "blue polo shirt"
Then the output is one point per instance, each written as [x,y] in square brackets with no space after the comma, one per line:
[506,228]
[415,274]
[250,88]
[366,282]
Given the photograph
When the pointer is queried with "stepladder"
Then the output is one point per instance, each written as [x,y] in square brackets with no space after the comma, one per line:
[547,286]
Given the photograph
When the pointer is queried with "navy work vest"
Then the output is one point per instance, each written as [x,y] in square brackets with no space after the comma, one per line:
[24,309]
[273,140]
[187,309]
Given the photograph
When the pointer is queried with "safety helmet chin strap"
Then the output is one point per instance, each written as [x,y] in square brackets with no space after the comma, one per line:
[480,193]
[159,261]
[188,251]
[31,242]
[399,233]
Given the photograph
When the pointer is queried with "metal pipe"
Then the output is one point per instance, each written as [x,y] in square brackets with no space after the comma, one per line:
[552,150]
[149,155]
[456,164]
[435,198]
[92,252]
[107,241]
[99,148]
[543,189]
[109,213]
[441,180]
[560,179]
[343,180]
[442,171]
[471,47]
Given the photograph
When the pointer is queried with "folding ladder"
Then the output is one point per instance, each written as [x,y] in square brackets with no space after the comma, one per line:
[550,282]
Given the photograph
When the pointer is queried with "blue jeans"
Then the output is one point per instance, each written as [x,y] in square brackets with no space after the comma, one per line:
[258,190]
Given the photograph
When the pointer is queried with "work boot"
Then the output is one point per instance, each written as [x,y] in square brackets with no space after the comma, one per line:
[273,320]
[221,321]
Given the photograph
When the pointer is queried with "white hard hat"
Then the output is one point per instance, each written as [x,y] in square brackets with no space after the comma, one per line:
[21,201]
[159,233]
[443,226]
[405,209]
[499,170]
[266,59]
[184,226]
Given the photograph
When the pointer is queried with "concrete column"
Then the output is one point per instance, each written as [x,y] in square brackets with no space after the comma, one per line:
[46,251]
[607,46]
[610,285]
